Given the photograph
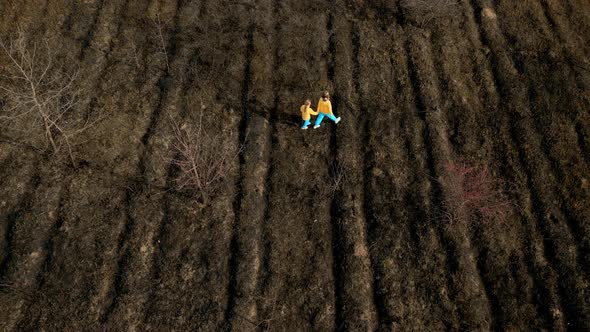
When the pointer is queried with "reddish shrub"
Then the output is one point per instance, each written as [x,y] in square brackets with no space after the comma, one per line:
[474,192]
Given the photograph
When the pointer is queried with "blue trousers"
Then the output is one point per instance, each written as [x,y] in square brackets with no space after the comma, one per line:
[305,123]
[321,117]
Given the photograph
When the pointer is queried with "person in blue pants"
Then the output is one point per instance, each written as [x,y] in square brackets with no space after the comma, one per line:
[306,113]
[325,110]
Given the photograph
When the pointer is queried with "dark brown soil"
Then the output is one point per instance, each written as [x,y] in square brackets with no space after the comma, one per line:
[110,244]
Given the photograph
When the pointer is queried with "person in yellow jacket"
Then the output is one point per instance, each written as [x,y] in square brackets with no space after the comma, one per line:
[325,109]
[306,113]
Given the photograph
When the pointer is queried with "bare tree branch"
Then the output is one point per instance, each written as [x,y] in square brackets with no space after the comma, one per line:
[158,24]
[35,83]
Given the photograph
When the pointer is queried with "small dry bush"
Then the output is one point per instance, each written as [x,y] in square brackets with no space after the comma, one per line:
[336,179]
[205,156]
[423,12]
[473,193]
[39,95]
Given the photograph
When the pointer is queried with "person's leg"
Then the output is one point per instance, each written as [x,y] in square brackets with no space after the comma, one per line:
[333,118]
[305,124]
[319,119]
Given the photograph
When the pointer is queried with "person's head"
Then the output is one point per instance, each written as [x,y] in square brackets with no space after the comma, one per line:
[307,102]
[326,95]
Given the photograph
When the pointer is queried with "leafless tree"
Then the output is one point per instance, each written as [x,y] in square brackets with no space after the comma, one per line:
[205,156]
[39,92]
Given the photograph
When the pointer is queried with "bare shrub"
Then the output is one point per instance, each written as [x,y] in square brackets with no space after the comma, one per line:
[473,192]
[423,12]
[205,156]
[336,179]
[39,94]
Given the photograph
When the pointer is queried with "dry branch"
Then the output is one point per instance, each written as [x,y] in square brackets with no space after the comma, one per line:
[158,24]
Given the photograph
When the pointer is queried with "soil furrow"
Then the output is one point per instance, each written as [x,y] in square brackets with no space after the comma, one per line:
[366,274]
[160,234]
[551,137]
[418,251]
[298,238]
[23,205]
[561,23]
[251,246]
[471,297]
[583,141]
[349,226]
[123,255]
[89,34]
[509,167]
[234,258]
[30,262]
[556,147]
[111,273]
[191,241]
[465,141]
[271,117]
[266,263]
[429,195]
[47,249]
[555,245]
[338,254]
[136,192]
[491,240]
[110,286]
[432,286]
[355,307]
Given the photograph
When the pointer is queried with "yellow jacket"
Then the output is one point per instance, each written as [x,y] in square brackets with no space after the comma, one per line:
[306,112]
[324,106]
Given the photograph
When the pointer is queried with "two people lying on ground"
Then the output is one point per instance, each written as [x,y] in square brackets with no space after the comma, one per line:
[324,110]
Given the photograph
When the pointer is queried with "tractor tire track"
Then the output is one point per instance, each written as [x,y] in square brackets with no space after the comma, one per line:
[131,231]
[25,267]
[89,34]
[423,303]
[244,261]
[463,144]
[567,273]
[471,297]
[95,80]
[265,278]
[540,272]
[353,276]
[299,238]
[578,229]
[486,237]
[22,206]
[251,244]
[192,253]
[338,254]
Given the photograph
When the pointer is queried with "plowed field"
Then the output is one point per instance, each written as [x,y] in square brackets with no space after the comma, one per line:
[111,244]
